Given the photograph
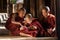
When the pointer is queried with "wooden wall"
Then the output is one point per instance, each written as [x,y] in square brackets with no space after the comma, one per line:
[35,6]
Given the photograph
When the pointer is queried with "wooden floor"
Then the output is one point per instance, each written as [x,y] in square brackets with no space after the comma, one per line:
[26,38]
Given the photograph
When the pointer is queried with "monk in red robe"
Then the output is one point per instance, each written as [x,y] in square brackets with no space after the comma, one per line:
[32,28]
[14,21]
[48,22]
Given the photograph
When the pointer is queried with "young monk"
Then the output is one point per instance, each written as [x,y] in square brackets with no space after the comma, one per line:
[48,22]
[13,22]
[33,28]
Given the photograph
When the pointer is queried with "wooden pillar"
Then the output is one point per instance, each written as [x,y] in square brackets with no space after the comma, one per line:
[58,19]
[27,5]
[35,7]
[40,4]
[10,8]
[32,7]
[53,7]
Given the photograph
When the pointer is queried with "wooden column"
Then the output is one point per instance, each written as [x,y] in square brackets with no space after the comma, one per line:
[40,4]
[53,7]
[10,7]
[58,19]
[35,7]
[27,5]
[32,7]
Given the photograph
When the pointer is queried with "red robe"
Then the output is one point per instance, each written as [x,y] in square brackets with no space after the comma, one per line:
[13,28]
[49,22]
[34,29]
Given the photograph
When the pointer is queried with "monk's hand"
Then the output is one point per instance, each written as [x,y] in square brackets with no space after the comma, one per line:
[50,31]
[26,35]
[23,28]
[16,22]
[25,23]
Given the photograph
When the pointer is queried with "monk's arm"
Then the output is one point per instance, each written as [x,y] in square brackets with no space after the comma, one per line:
[26,35]
[9,25]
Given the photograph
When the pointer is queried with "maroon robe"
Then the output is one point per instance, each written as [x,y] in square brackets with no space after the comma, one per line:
[34,29]
[14,28]
[48,23]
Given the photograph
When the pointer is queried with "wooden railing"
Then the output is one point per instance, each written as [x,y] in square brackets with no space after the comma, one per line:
[3,17]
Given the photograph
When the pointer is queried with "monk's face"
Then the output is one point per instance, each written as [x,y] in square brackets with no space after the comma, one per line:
[27,20]
[44,13]
[21,14]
